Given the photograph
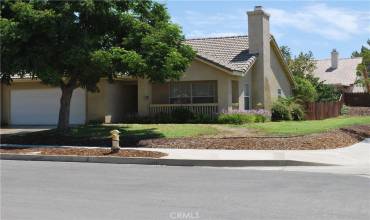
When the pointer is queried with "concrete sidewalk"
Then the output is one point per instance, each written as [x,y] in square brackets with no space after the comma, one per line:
[357,154]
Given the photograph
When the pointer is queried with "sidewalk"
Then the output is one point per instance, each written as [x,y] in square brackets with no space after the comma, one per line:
[357,154]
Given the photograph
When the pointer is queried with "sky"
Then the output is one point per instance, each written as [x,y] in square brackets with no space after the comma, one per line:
[317,26]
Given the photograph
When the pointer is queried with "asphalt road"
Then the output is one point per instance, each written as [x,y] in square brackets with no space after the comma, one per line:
[56,190]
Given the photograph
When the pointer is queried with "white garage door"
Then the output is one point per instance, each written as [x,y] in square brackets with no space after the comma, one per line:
[41,106]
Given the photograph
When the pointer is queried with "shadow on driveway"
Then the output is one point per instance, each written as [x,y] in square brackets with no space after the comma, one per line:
[23,129]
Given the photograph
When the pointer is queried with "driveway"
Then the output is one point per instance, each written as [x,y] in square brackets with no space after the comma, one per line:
[23,129]
[50,190]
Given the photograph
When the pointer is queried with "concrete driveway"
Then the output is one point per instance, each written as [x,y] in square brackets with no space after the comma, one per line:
[23,129]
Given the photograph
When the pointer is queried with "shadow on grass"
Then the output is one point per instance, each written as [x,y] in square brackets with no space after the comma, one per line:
[89,135]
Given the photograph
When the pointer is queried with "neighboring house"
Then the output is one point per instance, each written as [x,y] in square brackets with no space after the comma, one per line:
[228,73]
[339,72]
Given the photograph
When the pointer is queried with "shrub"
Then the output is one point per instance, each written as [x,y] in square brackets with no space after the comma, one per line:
[287,109]
[242,117]
[204,119]
[161,118]
[235,118]
[280,112]
[260,118]
[297,112]
[344,110]
[304,91]
[181,115]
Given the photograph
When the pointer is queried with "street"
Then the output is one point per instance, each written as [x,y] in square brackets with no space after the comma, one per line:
[58,190]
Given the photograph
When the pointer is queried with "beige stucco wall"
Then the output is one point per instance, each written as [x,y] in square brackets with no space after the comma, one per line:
[277,80]
[115,100]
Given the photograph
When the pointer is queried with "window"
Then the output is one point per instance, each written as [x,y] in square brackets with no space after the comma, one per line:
[235,91]
[246,97]
[180,93]
[203,92]
[280,93]
[192,92]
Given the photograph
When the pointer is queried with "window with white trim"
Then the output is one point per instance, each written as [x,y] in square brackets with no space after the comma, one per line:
[246,97]
[193,92]
[280,93]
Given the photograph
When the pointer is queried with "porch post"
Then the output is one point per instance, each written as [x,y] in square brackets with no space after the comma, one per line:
[144,95]
[241,93]
[224,95]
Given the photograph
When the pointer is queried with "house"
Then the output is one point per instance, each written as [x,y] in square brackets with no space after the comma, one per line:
[340,73]
[228,73]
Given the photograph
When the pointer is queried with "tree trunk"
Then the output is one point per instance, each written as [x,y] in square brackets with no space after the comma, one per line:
[65,106]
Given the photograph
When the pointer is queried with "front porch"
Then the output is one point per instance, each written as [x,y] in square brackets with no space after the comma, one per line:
[207,97]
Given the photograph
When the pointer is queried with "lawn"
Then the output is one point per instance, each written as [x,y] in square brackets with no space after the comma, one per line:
[99,135]
[307,127]
[145,130]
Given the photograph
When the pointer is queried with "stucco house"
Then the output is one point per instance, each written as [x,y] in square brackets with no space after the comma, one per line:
[340,73]
[228,73]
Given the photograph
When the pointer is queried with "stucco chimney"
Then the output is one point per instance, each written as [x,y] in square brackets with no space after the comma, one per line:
[334,59]
[259,44]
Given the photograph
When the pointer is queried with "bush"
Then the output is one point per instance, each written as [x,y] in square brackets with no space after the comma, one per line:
[242,117]
[235,118]
[287,109]
[260,118]
[181,115]
[344,110]
[297,112]
[304,91]
[204,119]
[280,112]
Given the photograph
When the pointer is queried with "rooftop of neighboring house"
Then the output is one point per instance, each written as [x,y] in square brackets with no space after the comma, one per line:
[337,71]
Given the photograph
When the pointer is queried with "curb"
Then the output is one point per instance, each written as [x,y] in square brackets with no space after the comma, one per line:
[167,162]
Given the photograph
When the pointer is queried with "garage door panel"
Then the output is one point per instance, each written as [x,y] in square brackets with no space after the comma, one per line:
[41,106]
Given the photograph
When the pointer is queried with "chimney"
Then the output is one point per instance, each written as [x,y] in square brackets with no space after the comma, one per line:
[334,59]
[258,29]
[259,44]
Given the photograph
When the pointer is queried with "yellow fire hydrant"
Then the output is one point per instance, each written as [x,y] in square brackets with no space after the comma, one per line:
[115,140]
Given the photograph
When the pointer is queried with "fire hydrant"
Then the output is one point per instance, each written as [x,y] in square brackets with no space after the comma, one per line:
[115,140]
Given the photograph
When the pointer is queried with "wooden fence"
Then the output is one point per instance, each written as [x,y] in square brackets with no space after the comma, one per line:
[357,99]
[322,110]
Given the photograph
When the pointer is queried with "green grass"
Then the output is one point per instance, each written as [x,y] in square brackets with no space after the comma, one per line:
[145,130]
[307,127]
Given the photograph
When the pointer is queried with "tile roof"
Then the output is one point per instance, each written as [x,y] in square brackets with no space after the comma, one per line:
[345,74]
[231,53]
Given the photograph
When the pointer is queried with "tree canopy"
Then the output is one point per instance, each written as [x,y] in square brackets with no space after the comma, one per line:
[73,44]
[363,69]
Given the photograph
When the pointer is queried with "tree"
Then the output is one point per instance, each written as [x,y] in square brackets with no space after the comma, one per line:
[71,44]
[304,91]
[363,69]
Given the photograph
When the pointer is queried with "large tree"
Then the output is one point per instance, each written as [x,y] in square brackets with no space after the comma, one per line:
[363,69]
[71,44]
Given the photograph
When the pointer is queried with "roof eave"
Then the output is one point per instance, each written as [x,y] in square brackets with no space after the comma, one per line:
[282,60]
[218,66]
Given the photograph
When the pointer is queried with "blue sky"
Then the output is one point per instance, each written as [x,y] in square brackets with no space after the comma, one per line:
[318,26]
